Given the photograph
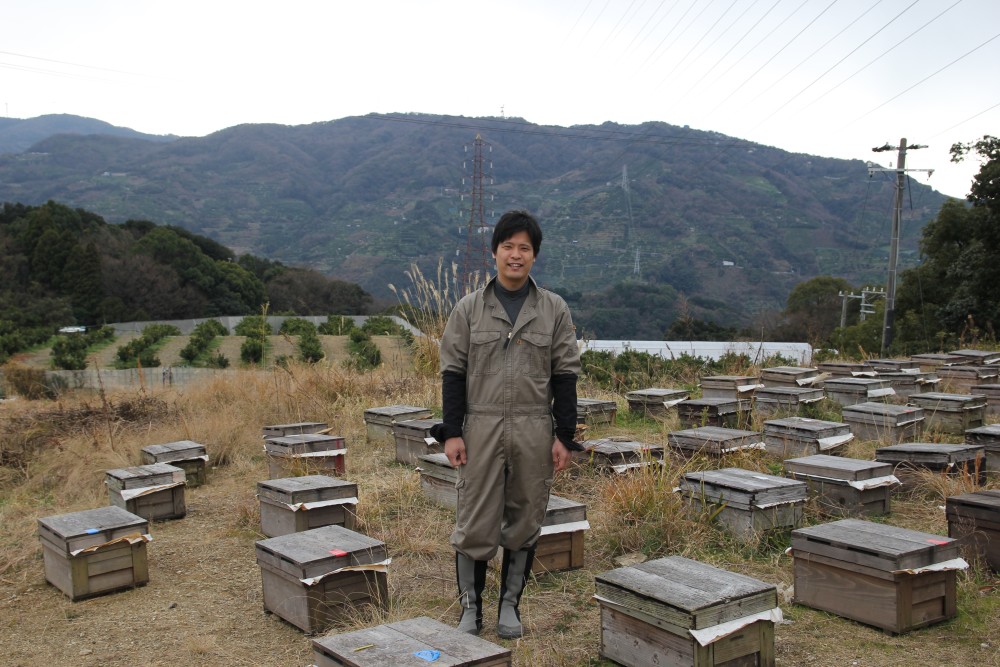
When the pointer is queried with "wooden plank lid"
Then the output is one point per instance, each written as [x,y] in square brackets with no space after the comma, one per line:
[875,545]
[313,553]
[305,489]
[79,530]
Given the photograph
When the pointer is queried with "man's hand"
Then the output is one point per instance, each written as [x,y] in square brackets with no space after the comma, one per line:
[454,449]
[560,455]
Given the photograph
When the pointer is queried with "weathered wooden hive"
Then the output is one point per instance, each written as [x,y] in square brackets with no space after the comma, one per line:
[932,361]
[415,641]
[187,455]
[438,478]
[980,357]
[884,422]
[992,394]
[910,458]
[790,437]
[789,376]
[987,437]
[95,551]
[678,612]
[320,576]
[294,504]
[966,379]
[729,386]
[413,439]
[714,440]
[769,401]
[974,520]
[746,503]
[893,365]
[306,454]
[296,428]
[154,491]
[595,411]
[616,455]
[907,383]
[379,421]
[851,390]
[892,578]
[717,411]
[950,413]
[831,370]
[655,401]
[843,486]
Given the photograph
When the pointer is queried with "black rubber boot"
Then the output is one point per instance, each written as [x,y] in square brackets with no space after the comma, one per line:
[513,577]
[471,576]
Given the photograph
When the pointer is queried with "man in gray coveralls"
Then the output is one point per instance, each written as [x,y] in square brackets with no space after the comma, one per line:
[509,366]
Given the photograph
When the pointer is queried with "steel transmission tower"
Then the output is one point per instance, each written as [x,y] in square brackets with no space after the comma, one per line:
[477,260]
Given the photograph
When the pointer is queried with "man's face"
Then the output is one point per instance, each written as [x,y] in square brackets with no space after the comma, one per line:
[514,258]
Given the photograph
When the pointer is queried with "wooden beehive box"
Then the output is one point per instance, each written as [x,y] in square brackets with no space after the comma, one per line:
[987,437]
[893,365]
[714,440]
[561,545]
[95,551]
[729,386]
[595,411]
[677,612]
[413,439]
[845,487]
[615,455]
[950,413]
[992,394]
[726,412]
[187,455]
[379,421]
[851,390]
[154,492]
[892,578]
[770,401]
[297,428]
[415,641]
[974,520]
[832,370]
[791,437]
[966,379]
[317,577]
[789,376]
[932,361]
[746,503]
[294,504]
[980,357]
[884,421]
[438,478]
[655,401]
[306,454]
[907,383]
[942,458]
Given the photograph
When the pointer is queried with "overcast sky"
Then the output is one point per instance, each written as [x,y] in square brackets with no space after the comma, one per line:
[826,77]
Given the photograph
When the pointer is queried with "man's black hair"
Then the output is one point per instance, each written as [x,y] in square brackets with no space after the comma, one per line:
[511,223]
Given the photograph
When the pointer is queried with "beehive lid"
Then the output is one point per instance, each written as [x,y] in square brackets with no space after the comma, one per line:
[295,428]
[437,466]
[154,474]
[893,364]
[720,438]
[320,551]
[877,545]
[306,489]
[844,368]
[685,593]
[392,413]
[743,489]
[789,395]
[399,643]
[743,382]
[590,404]
[563,510]
[979,505]
[942,401]
[306,443]
[717,405]
[805,428]
[657,395]
[800,375]
[837,467]
[181,450]
[859,385]
[882,413]
[621,453]
[907,378]
[415,427]
[79,530]
[928,452]
[970,372]
[937,358]
[983,434]
[978,356]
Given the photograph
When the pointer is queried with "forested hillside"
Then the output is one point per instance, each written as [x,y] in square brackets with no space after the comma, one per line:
[643,224]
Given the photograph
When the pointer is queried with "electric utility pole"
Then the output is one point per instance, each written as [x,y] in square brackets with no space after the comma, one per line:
[897,215]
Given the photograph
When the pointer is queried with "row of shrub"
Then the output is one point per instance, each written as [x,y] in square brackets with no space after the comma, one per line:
[141,351]
[69,351]
[200,342]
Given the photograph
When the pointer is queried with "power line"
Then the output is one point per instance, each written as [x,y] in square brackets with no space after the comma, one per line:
[974,116]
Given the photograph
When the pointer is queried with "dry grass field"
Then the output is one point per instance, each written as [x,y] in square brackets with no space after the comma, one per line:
[203,603]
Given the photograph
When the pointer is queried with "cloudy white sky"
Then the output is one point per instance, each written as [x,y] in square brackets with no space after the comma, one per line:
[826,77]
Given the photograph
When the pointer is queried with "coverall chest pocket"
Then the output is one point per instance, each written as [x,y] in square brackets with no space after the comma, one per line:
[485,352]
[534,350]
